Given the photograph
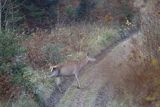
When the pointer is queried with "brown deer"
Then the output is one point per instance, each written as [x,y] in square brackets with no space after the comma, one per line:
[70,68]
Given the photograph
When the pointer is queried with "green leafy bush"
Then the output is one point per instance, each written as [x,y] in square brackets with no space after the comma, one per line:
[11,64]
[10,53]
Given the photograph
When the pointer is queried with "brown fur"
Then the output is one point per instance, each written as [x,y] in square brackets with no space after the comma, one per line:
[72,67]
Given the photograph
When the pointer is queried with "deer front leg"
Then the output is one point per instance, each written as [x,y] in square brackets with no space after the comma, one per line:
[76,76]
[58,82]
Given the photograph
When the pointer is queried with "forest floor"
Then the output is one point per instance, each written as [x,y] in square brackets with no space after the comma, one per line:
[102,82]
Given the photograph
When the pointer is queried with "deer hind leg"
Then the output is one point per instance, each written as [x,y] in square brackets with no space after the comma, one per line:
[76,76]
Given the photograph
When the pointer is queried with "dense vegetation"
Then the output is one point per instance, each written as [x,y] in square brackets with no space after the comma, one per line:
[34,33]
[29,14]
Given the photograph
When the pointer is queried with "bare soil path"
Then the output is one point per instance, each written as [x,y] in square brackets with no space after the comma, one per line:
[99,80]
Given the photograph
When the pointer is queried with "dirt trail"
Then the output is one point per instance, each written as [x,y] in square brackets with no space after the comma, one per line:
[99,80]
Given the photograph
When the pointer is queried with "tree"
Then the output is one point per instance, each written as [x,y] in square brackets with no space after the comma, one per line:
[84,9]
[10,14]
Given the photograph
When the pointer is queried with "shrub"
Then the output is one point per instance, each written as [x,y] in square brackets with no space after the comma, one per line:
[10,54]
[12,68]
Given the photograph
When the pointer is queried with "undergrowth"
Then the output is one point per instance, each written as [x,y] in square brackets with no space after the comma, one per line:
[140,86]
[67,42]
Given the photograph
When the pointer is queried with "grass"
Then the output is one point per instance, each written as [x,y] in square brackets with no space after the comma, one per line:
[24,101]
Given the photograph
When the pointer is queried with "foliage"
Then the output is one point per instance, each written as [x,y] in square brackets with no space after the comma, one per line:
[10,52]
[23,101]
[69,10]
[11,15]
[16,80]
[35,12]
[127,9]
[52,52]
[13,74]
[46,12]
[102,38]
[67,42]
[82,9]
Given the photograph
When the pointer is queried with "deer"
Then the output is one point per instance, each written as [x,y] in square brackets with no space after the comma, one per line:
[71,68]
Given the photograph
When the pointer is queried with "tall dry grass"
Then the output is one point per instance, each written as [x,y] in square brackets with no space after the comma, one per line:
[150,25]
[68,43]
[141,85]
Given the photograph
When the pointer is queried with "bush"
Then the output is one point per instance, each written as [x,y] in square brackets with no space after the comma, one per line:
[12,68]
[10,54]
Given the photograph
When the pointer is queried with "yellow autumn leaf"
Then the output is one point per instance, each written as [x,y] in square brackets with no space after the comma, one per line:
[150,98]
[154,61]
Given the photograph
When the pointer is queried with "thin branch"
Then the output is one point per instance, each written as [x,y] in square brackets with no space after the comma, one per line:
[4,4]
